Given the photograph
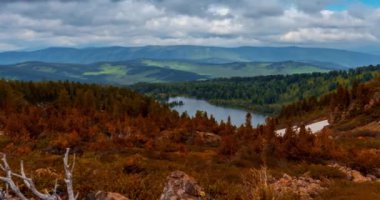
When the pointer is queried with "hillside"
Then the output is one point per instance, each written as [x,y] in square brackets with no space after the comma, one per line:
[243,69]
[152,71]
[127,143]
[193,53]
[265,94]
[348,107]
[353,113]
[120,73]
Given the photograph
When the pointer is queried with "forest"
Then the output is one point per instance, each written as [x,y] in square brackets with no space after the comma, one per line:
[347,107]
[128,143]
[265,94]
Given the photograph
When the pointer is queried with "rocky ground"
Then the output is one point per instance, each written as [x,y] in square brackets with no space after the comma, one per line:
[180,186]
[304,187]
[354,175]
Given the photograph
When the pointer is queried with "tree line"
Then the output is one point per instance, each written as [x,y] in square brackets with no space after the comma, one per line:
[265,94]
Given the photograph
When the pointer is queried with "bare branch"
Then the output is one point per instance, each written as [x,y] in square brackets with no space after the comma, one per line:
[2,167]
[30,185]
[69,175]
[73,165]
[55,186]
[8,178]
[3,194]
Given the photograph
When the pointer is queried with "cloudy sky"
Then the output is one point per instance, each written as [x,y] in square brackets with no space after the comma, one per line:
[35,24]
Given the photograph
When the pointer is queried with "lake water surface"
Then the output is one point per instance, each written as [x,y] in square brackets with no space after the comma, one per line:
[191,106]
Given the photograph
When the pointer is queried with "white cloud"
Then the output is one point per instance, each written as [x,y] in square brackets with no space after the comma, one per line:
[319,35]
[8,47]
[219,10]
[208,22]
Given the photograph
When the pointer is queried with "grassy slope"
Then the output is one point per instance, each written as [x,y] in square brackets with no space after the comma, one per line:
[105,170]
[344,190]
[121,73]
[360,132]
[152,71]
[238,69]
[362,137]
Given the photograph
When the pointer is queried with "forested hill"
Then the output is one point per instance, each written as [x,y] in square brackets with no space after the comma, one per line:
[130,72]
[265,93]
[346,108]
[194,53]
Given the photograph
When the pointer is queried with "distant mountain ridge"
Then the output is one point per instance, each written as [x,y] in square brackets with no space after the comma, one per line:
[152,71]
[192,53]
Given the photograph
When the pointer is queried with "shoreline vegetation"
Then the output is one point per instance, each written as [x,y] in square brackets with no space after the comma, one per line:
[175,103]
[266,94]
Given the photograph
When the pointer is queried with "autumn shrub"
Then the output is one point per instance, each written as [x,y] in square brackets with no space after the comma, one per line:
[366,160]
[316,171]
[17,148]
[366,133]
[248,156]
[256,184]
[348,190]
[229,146]
[222,189]
[134,164]
[66,140]
[165,145]
[100,143]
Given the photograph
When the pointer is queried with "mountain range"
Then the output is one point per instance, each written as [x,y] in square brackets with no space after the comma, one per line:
[203,54]
[130,72]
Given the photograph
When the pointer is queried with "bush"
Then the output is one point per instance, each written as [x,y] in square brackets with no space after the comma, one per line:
[257,187]
[319,171]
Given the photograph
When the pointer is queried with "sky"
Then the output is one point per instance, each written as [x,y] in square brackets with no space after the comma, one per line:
[343,24]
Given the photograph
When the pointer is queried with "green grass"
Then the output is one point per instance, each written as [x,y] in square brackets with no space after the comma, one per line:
[152,71]
[107,69]
[140,77]
[46,69]
[235,69]
[171,64]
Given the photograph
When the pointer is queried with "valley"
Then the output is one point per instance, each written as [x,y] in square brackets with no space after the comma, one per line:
[150,71]
[136,126]
[189,100]
[262,94]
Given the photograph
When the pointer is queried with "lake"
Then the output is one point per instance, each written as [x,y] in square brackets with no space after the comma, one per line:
[191,106]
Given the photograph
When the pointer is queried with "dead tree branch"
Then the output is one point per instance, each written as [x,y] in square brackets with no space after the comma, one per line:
[69,175]
[30,184]
[8,178]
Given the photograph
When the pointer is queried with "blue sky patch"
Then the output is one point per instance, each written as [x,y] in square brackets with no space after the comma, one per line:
[343,5]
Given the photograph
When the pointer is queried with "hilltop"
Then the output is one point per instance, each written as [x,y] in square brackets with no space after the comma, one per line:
[193,53]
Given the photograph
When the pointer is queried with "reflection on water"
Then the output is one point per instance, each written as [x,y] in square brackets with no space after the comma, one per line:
[191,106]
